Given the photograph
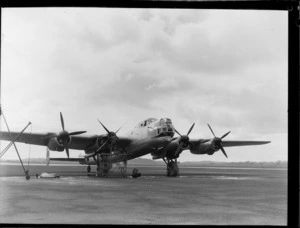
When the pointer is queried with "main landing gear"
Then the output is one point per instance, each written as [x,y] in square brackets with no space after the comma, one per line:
[172,167]
[123,169]
[103,165]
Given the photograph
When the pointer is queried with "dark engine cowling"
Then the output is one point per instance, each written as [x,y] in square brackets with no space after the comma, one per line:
[202,147]
[211,152]
[184,142]
[54,145]
[93,147]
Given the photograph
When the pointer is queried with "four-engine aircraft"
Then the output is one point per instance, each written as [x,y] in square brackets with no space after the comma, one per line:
[151,136]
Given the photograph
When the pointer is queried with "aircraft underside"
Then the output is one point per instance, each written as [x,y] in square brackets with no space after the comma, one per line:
[104,164]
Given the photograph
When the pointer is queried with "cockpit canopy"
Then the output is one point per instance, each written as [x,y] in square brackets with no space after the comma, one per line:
[146,122]
[159,127]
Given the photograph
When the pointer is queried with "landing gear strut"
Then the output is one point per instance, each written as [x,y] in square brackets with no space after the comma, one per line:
[123,169]
[172,167]
[103,165]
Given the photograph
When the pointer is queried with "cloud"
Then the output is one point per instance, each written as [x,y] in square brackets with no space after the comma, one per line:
[226,68]
[137,88]
[196,47]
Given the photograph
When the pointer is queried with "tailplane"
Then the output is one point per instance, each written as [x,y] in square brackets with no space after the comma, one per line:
[48,159]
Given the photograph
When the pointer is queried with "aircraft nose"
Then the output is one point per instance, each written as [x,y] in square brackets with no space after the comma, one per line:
[166,138]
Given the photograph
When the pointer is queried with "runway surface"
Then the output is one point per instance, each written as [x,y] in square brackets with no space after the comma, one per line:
[201,195]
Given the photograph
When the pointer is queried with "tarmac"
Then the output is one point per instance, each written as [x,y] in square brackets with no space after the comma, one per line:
[200,196]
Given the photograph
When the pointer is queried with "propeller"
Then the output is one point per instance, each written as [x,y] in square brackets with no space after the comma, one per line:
[47,156]
[184,140]
[112,137]
[218,141]
[63,137]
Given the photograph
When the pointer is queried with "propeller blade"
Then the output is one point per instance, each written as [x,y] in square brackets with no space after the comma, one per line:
[177,131]
[102,145]
[178,149]
[111,148]
[90,155]
[119,128]
[225,135]
[211,130]
[62,121]
[219,140]
[191,129]
[223,151]
[104,127]
[47,156]
[77,133]
[67,151]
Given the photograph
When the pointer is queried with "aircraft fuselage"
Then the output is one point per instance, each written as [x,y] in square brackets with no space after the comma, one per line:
[151,128]
[145,138]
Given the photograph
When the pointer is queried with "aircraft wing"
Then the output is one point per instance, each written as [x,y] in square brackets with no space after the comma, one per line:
[200,146]
[231,143]
[42,139]
[209,146]
[29,138]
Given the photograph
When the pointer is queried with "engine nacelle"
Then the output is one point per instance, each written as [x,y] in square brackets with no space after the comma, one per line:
[185,146]
[211,152]
[202,148]
[54,145]
[184,142]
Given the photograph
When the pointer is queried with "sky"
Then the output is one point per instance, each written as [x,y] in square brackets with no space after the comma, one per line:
[227,68]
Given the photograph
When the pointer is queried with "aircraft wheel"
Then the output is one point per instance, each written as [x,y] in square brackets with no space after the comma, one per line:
[173,170]
[136,173]
[168,170]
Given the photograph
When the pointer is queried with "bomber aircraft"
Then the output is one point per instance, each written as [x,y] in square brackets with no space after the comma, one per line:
[151,136]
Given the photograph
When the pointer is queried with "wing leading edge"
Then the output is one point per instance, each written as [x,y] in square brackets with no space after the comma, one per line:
[78,142]
[42,139]
[228,143]
[210,146]
[28,138]
[232,143]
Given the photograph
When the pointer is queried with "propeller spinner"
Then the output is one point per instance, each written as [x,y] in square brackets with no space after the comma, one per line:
[218,141]
[184,140]
[112,136]
[63,137]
